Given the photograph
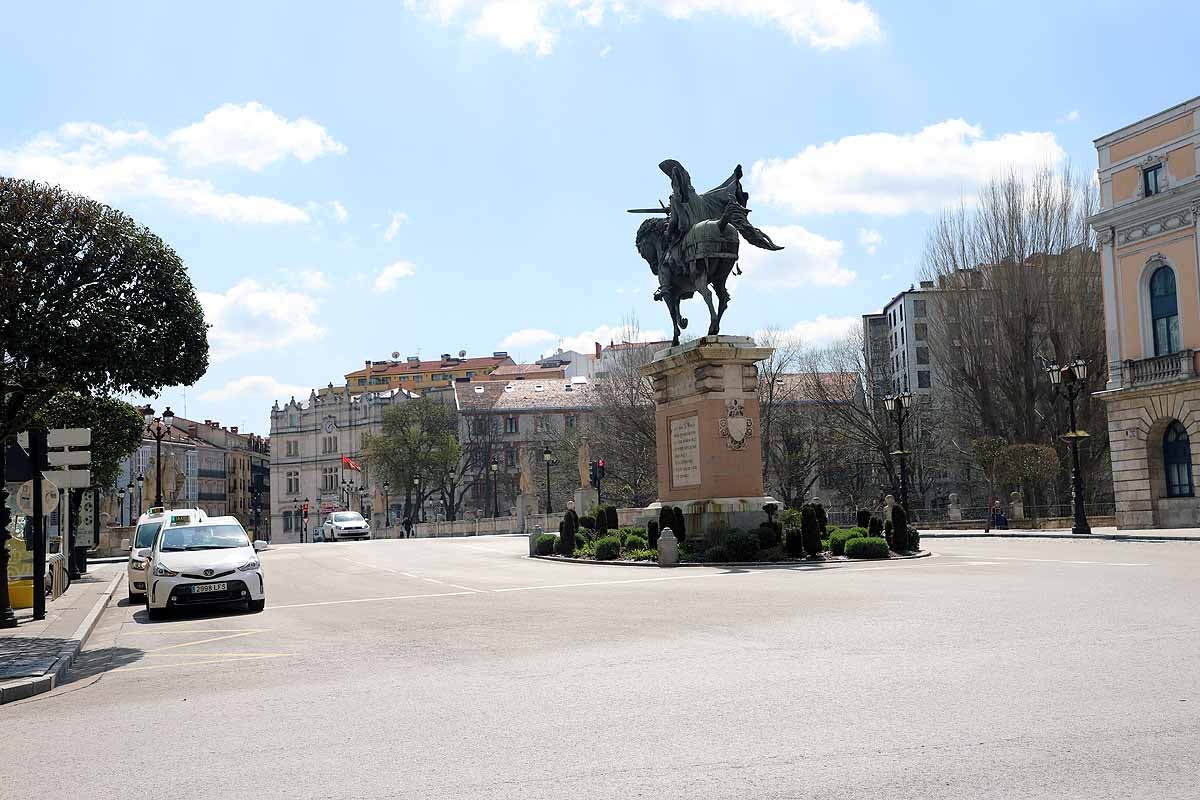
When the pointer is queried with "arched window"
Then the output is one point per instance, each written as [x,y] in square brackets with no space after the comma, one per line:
[1164,311]
[1177,460]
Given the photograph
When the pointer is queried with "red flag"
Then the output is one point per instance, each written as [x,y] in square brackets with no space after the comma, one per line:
[350,463]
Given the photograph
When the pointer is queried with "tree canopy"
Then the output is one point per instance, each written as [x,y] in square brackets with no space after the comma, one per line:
[90,303]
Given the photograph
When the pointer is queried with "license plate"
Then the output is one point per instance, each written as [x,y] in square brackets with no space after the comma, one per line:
[199,588]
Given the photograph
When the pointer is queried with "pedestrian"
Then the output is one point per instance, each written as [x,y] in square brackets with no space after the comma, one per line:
[407,524]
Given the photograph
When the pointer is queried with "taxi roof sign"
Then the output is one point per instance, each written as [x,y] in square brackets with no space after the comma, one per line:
[181,519]
[155,511]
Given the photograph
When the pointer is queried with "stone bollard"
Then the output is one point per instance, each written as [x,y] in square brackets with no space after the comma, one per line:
[1016,506]
[668,548]
[537,531]
[955,510]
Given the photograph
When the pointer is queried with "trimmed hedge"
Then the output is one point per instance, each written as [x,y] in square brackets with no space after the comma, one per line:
[716,554]
[652,534]
[839,537]
[769,534]
[588,522]
[608,548]
[793,540]
[546,544]
[634,542]
[610,516]
[867,547]
[625,533]
[742,546]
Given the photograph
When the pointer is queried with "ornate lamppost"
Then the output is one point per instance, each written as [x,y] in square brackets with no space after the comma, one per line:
[387,509]
[419,510]
[548,457]
[121,507]
[1068,382]
[495,488]
[141,480]
[898,406]
[158,428]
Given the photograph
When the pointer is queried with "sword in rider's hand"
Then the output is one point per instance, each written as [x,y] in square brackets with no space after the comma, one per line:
[662,210]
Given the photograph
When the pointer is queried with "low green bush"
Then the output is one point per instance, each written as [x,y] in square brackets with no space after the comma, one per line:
[585,549]
[635,542]
[775,553]
[839,537]
[742,545]
[790,518]
[546,544]
[642,555]
[716,554]
[588,522]
[607,548]
[625,533]
[867,547]
[914,540]
[769,534]
[793,541]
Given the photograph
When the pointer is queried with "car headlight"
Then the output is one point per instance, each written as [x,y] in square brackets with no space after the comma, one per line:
[250,565]
[162,572]
[137,563]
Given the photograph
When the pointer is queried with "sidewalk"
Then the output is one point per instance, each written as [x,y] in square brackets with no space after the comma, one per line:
[1108,534]
[35,655]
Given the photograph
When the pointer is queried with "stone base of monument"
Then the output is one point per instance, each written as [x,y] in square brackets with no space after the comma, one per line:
[586,500]
[527,506]
[707,433]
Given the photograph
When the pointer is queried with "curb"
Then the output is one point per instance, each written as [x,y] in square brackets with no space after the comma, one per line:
[742,564]
[1112,537]
[28,687]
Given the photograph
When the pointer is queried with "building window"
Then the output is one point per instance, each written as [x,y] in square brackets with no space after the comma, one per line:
[1164,311]
[902,313]
[293,448]
[1177,458]
[1151,180]
[922,355]
[287,522]
[569,421]
[329,444]
[362,381]
[329,479]
[510,457]
[921,331]
[418,378]
[293,482]
[510,425]
[919,309]
[922,379]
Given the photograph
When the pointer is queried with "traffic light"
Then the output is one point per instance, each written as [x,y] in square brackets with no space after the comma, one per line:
[600,468]
[306,510]
[593,472]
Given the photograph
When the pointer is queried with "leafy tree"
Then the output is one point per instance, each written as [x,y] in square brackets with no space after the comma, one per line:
[986,451]
[1032,466]
[414,442]
[116,429]
[90,303]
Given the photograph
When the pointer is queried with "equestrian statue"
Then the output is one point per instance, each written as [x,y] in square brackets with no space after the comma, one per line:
[696,245]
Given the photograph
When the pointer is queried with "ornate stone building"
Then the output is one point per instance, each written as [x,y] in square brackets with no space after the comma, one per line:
[1147,227]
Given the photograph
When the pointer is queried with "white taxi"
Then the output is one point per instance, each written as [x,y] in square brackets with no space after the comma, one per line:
[148,526]
[205,562]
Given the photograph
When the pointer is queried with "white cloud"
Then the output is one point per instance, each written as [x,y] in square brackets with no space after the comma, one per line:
[516,25]
[1070,116]
[313,280]
[528,337]
[893,174]
[258,387]
[85,158]
[251,136]
[604,51]
[870,239]
[823,330]
[390,275]
[535,25]
[339,211]
[398,218]
[250,317]
[808,259]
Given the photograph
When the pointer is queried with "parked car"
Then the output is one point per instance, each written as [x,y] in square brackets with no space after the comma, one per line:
[205,562]
[148,526]
[342,525]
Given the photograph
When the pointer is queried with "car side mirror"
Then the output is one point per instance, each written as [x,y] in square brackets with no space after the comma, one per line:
[259,545]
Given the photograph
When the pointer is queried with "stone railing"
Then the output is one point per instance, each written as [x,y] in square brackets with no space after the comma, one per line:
[1159,369]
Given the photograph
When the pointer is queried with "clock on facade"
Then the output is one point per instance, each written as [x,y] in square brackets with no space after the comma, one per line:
[329,424]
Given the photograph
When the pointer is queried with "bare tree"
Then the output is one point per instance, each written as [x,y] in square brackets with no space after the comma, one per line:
[1018,277]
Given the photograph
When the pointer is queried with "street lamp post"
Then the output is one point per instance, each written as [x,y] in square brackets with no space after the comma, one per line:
[898,406]
[121,506]
[387,509]
[1069,382]
[548,457]
[495,488]
[158,428]
[141,480]
[418,512]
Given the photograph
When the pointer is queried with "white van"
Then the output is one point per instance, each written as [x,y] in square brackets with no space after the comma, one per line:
[148,526]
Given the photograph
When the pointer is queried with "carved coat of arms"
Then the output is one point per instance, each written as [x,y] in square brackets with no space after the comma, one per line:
[736,428]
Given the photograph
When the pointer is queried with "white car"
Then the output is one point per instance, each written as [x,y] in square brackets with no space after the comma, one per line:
[208,561]
[148,526]
[342,525]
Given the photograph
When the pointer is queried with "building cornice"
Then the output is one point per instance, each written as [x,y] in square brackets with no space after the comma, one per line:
[1180,199]
[1152,121]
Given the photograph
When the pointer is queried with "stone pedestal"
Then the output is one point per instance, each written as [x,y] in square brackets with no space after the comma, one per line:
[707,429]
[526,507]
[585,500]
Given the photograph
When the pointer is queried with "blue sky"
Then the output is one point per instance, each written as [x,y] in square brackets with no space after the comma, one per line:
[349,180]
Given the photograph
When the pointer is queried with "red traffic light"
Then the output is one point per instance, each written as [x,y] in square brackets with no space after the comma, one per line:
[600,463]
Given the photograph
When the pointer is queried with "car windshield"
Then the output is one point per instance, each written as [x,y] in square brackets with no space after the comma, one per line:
[146,533]
[347,516]
[203,537]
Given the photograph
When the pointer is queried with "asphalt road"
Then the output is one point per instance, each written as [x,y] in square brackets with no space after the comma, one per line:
[459,669]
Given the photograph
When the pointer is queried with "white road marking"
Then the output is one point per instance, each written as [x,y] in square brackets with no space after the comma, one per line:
[410,575]
[1063,561]
[368,600]
[204,641]
[198,663]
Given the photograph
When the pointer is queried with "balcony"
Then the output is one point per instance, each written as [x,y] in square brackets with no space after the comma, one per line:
[1142,372]
[212,496]
[211,473]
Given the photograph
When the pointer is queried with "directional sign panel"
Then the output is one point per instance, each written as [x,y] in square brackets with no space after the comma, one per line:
[72,478]
[70,437]
[69,458]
